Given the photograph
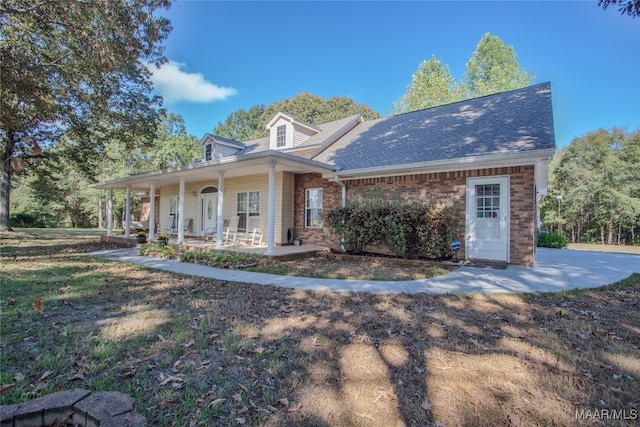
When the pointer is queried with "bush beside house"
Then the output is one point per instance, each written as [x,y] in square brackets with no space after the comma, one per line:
[409,230]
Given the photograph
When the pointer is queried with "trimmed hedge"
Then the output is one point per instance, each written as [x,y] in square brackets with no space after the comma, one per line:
[410,230]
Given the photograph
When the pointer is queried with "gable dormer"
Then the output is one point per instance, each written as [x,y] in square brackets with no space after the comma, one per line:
[287,132]
[215,147]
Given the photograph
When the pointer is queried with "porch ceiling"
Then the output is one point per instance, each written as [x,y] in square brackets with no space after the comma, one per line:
[233,166]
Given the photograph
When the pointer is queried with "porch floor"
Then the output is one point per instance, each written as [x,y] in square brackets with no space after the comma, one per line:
[198,244]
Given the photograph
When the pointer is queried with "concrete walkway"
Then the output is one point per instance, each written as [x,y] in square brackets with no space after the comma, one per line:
[554,270]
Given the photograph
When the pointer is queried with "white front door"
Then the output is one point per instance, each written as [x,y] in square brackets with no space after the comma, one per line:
[208,211]
[488,220]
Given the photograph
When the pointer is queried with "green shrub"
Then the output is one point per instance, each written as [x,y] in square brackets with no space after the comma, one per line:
[551,240]
[222,259]
[163,251]
[410,230]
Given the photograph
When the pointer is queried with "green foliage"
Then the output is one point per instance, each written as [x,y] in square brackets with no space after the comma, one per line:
[410,230]
[431,85]
[598,177]
[244,125]
[74,75]
[240,125]
[162,251]
[221,259]
[493,68]
[551,240]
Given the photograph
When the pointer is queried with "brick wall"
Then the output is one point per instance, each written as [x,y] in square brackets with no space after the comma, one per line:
[443,189]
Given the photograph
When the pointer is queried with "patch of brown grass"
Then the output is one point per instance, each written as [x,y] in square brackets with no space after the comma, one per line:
[204,352]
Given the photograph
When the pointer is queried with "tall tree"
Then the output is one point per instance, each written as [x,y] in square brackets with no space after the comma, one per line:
[75,72]
[314,110]
[431,85]
[597,177]
[172,147]
[494,68]
[240,125]
[244,125]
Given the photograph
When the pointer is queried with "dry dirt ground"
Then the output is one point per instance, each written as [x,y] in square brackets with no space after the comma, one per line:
[339,266]
[196,352]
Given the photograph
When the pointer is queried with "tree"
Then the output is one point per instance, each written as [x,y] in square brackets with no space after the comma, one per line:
[240,125]
[431,85]
[625,7]
[245,125]
[494,68]
[75,76]
[597,177]
[173,146]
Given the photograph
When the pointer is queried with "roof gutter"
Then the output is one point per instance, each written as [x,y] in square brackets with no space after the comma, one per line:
[268,155]
[493,160]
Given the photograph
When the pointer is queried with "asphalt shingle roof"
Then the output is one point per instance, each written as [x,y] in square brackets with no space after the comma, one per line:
[516,121]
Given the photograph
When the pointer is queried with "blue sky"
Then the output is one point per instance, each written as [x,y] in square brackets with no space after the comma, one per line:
[231,55]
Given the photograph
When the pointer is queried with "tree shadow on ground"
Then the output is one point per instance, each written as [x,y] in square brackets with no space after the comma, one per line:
[193,351]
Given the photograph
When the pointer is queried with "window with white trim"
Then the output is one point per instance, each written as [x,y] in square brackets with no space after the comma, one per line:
[208,152]
[281,136]
[313,208]
[247,204]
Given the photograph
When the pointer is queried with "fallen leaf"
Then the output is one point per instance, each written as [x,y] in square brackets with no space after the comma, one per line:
[19,376]
[167,403]
[45,375]
[38,305]
[295,408]
[241,420]
[367,416]
[426,405]
[514,420]
[284,401]
[128,374]
[5,387]
[39,386]
[242,410]
[215,403]
[237,397]
[189,344]
[77,376]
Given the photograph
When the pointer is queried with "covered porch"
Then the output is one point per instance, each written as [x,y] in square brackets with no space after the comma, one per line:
[195,244]
[191,195]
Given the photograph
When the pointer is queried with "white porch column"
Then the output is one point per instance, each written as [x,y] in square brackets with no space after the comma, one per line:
[110,213]
[152,212]
[220,213]
[180,224]
[127,213]
[271,210]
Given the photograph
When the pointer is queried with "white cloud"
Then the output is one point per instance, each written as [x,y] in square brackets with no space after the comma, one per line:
[176,85]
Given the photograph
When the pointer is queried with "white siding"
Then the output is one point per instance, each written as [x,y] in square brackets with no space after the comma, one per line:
[232,186]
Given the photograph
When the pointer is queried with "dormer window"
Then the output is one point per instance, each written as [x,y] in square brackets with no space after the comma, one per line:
[281,136]
[208,152]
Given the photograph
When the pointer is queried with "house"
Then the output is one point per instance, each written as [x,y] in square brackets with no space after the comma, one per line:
[488,156]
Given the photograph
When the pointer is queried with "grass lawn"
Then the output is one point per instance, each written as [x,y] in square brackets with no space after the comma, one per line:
[595,247]
[194,351]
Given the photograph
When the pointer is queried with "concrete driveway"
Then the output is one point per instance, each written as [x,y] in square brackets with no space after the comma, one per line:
[554,270]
